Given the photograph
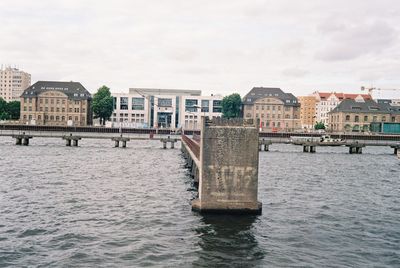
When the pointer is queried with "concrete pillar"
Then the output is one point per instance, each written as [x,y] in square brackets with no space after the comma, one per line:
[116,143]
[305,148]
[25,141]
[395,150]
[76,142]
[123,144]
[18,141]
[172,144]
[352,150]
[266,148]
[312,149]
[164,145]
[228,167]
[359,150]
[67,142]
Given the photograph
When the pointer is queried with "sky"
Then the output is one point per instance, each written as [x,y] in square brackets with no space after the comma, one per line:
[217,46]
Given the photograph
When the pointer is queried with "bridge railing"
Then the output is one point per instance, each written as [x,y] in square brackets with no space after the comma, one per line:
[193,145]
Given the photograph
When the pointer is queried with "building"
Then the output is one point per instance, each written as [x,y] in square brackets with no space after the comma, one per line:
[357,115]
[12,83]
[195,107]
[327,101]
[55,103]
[163,108]
[307,111]
[275,109]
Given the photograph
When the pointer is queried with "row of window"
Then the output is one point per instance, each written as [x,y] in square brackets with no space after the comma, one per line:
[278,116]
[137,103]
[366,118]
[51,100]
[126,115]
[53,118]
[57,109]
[126,120]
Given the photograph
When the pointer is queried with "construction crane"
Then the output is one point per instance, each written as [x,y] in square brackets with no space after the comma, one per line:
[378,89]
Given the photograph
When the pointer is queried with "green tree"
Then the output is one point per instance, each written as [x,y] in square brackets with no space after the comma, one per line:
[3,110]
[231,106]
[102,104]
[14,109]
[319,125]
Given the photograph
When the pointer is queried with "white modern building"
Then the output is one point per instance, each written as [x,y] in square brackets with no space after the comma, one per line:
[13,82]
[194,107]
[163,108]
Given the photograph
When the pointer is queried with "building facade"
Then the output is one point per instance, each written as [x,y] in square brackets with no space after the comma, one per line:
[54,103]
[12,83]
[275,109]
[327,101]
[195,107]
[307,111]
[163,108]
[357,115]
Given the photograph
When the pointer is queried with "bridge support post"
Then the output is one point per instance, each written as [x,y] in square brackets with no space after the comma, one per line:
[172,144]
[164,145]
[312,149]
[116,143]
[352,150]
[124,144]
[358,150]
[25,141]
[266,147]
[395,150]
[18,141]
[67,142]
[228,167]
[259,147]
[75,142]
[306,148]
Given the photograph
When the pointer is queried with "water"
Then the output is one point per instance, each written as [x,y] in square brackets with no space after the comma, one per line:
[106,207]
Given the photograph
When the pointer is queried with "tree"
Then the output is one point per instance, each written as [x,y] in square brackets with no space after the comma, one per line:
[231,106]
[3,110]
[14,109]
[102,104]
[319,125]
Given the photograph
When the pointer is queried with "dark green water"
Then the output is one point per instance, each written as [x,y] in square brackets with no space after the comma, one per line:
[98,206]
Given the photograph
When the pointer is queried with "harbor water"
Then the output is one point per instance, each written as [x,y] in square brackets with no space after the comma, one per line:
[99,206]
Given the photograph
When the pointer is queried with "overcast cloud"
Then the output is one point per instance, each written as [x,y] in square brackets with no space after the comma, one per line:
[216,46]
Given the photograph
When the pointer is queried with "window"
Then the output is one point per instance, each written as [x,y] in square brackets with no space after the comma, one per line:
[393,119]
[356,118]
[217,106]
[365,118]
[190,105]
[205,104]
[114,103]
[374,118]
[164,102]
[347,117]
[137,103]
[123,103]
[383,118]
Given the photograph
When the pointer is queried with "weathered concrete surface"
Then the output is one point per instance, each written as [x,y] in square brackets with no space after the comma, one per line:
[229,168]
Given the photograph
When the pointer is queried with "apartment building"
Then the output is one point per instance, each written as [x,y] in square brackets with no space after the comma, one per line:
[12,83]
[307,111]
[327,101]
[275,109]
[357,115]
[56,103]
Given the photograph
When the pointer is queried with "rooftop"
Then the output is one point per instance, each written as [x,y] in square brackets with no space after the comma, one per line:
[74,90]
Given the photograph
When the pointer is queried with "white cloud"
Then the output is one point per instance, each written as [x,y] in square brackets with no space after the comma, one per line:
[217,46]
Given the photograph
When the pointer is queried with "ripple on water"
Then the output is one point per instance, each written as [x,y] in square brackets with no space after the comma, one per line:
[100,206]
